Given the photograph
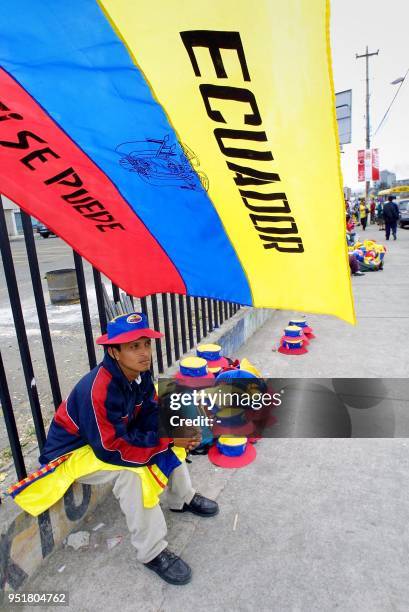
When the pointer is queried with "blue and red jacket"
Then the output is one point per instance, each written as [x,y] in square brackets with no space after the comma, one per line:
[117,418]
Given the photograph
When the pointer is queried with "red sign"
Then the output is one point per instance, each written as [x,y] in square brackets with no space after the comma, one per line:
[375,164]
[368,165]
[361,165]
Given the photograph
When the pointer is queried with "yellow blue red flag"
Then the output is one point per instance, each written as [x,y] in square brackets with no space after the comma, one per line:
[181,147]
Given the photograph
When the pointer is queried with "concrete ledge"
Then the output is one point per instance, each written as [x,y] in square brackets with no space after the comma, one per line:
[233,333]
[25,540]
[248,321]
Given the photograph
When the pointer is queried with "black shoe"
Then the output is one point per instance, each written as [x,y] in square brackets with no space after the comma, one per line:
[359,273]
[394,237]
[202,450]
[170,568]
[201,506]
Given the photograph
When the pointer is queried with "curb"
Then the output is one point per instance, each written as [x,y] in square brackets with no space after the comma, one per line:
[26,540]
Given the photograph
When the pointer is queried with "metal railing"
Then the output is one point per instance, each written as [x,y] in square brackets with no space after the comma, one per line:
[183,319]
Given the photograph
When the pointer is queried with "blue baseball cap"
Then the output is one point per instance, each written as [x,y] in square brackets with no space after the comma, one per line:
[126,328]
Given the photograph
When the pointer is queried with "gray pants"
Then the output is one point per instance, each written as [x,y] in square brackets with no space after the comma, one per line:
[146,525]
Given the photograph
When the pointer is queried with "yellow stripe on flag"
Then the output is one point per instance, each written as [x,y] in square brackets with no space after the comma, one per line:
[249,85]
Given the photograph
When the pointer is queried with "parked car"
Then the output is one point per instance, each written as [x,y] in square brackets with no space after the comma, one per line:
[44,231]
[403,213]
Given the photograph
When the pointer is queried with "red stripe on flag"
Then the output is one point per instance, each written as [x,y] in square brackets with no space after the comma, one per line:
[50,177]
[109,439]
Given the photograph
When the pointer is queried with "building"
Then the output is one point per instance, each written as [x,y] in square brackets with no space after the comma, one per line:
[387,179]
[13,217]
[12,213]
[347,193]
[401,182]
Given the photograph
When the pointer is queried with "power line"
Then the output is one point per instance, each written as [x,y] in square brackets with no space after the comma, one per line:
[390,105]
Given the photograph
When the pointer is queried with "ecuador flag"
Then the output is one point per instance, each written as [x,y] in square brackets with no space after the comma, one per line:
[181,147]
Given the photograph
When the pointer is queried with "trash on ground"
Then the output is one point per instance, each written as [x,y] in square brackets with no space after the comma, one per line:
[98,526]
[111,542]
[77,540]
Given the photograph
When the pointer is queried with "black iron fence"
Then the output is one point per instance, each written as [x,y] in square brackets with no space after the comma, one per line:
[184,320]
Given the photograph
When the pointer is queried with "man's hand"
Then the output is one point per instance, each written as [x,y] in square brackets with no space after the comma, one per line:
[195,441]
[188,443]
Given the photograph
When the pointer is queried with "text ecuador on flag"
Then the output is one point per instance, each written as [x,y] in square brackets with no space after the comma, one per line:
[181,147]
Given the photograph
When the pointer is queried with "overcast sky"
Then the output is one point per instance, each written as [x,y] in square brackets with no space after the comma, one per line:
[383,25]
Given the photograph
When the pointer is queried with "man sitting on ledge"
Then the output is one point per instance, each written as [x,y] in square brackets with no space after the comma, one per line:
[109,427]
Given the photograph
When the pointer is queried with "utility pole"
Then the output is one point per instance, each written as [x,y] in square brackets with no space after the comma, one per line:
[367,55]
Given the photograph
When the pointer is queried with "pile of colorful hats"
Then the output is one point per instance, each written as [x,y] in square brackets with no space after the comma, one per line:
[207,364]
[229,446]
[296,338]
[370,255]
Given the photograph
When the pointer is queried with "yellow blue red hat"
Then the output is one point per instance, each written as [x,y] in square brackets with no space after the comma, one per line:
[232,421]
[212,354]
[230,375]
[231,416]
[295,331]
[292,346]
[232,452]
[193,372]
[247,366]
[126,328]
[301,322]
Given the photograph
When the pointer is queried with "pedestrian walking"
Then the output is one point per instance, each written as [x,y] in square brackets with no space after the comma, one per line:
[373,210]
[363,212]
[379,216]
[356,213]
[391,216]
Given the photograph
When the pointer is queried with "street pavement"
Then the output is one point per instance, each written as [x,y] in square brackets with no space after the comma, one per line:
[53,253]
[66,329]
[312,525]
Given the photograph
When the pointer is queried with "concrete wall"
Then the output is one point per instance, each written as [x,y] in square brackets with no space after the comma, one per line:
[233,333]
[25,541]
[11,223]
[248,321]
[9,209]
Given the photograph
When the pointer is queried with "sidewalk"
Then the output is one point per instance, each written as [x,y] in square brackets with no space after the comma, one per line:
[311,525]
[321,525]
[376,347]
